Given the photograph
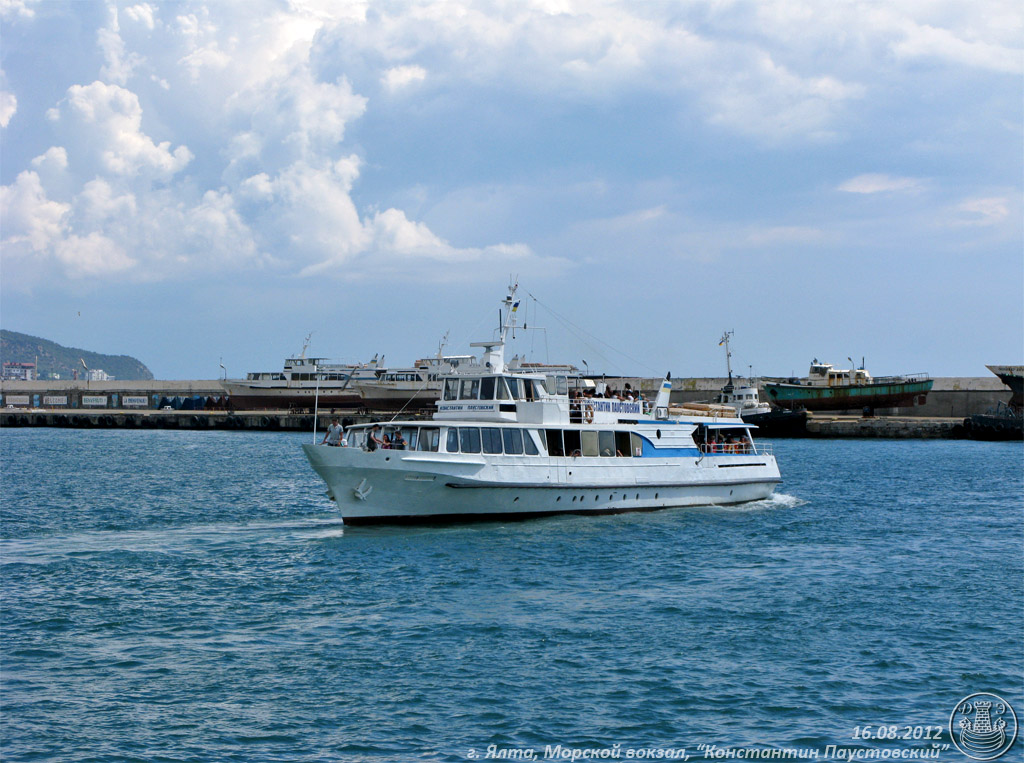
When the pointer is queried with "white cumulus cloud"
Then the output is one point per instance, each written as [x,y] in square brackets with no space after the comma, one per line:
[398,77]
[110,119]
[878,183]
[29,216]
[987,211]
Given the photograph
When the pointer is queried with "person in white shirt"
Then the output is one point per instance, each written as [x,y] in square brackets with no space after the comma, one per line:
[334,433]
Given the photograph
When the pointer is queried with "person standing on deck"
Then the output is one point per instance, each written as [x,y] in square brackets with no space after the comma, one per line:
[334,433]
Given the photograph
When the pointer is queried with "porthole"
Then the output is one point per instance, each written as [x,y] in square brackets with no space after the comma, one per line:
[559,498]
[658,433]
[574,499]
[638,496]
[655,495]
[516,499]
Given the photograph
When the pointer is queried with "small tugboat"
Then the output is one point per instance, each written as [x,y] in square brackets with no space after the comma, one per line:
[506,444]
[1006,420]
[830,389]
[745,400]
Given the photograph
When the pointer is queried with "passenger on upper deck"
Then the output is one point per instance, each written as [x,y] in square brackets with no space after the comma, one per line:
[398,441]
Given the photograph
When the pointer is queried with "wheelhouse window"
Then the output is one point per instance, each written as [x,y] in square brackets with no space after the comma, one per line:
[572,442]
[514,388]
[453,440]
[490,438]
[487,388]
[470,389]
[469,439]
[451,389]
[513,441]
[429,439]
[554,442]
[528,444]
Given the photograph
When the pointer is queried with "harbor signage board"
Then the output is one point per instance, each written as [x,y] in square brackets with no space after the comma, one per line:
[94,400]
[55,400]
[135,401]
[16,399]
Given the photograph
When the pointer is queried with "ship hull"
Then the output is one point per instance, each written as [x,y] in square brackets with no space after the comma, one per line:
[982,426]
[838,398]
[402,487]
[243,398]
[779,423]
[378,397]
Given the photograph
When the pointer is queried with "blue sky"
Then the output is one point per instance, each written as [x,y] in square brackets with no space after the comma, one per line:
[194,181]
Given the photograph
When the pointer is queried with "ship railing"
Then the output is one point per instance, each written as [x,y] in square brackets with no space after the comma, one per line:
[738,449]
[902,379]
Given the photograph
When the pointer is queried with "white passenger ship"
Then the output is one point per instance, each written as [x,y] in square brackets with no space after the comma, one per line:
[513,445]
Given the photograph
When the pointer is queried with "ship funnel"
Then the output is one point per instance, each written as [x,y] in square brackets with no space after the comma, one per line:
[661,401]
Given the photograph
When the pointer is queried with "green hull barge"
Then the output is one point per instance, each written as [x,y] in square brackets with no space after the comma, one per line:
[830,389]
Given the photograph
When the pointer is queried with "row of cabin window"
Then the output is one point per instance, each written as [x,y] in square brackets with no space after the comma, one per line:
[491,440]
[323,377]
[416,438]
[493,388]
[607,444]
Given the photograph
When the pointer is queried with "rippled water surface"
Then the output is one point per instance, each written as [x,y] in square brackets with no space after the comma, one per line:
[194,596]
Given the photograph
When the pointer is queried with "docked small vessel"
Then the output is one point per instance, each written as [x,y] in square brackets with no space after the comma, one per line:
[413,388]
[300,383]
[826,388]
[745,399]
[505,444]
[1006,420]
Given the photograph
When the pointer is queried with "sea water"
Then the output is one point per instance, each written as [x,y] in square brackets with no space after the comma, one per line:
[195,596]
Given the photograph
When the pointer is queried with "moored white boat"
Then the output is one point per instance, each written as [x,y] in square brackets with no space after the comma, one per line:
[506,444]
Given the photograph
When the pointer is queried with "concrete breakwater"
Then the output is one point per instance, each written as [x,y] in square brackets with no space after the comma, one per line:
[950,396]
[892,427]
[268,421]
[821,425]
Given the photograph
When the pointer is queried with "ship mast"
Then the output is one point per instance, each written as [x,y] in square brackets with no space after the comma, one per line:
[494,352]
[728,357]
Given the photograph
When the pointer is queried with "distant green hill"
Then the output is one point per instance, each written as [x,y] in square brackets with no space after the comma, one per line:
[51,358]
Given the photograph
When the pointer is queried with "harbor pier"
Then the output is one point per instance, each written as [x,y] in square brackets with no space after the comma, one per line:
[265,421]
[204,404]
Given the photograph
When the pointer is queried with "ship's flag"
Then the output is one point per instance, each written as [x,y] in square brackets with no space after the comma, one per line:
[515,306]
